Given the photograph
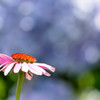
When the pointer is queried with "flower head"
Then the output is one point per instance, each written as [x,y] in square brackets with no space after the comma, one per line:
[25,63]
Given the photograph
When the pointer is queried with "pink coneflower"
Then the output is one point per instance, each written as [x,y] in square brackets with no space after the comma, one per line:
[25,63]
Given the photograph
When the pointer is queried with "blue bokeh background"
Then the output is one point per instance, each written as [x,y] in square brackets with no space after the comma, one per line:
[62,33]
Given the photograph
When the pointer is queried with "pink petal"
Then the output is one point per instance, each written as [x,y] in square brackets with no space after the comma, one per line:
[25,67]
[4,58]
[4,67]
[3,64]
[47,74]
[17,68]
[45,66]
[8,68]
[39,70]
[34,70]
[28,76]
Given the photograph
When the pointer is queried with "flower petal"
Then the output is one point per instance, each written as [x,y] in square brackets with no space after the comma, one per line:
[45,66]
[3,64]
[17,68]
[47,74]
[4,67]
[28,76]
[4,58]
[39,70]
[31,69]
[25,67]
[8,68]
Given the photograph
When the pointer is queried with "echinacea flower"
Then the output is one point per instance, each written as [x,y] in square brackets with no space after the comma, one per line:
[25,63]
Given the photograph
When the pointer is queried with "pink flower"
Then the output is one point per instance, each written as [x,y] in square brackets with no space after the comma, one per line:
[25,63]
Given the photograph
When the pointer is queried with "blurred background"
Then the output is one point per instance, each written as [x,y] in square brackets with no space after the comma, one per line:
[62,33]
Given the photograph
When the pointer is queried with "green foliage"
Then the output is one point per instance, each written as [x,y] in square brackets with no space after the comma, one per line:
[6,83]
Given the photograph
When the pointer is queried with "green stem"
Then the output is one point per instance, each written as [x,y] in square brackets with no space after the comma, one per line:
[19,85]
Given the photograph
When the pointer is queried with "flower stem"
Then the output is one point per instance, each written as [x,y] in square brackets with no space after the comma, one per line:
[19,85]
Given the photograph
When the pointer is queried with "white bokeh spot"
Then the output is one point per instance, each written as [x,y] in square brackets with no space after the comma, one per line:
[27,23]
[92,54]
[26,8]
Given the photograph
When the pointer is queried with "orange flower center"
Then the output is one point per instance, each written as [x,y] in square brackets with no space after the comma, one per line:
[20,58]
